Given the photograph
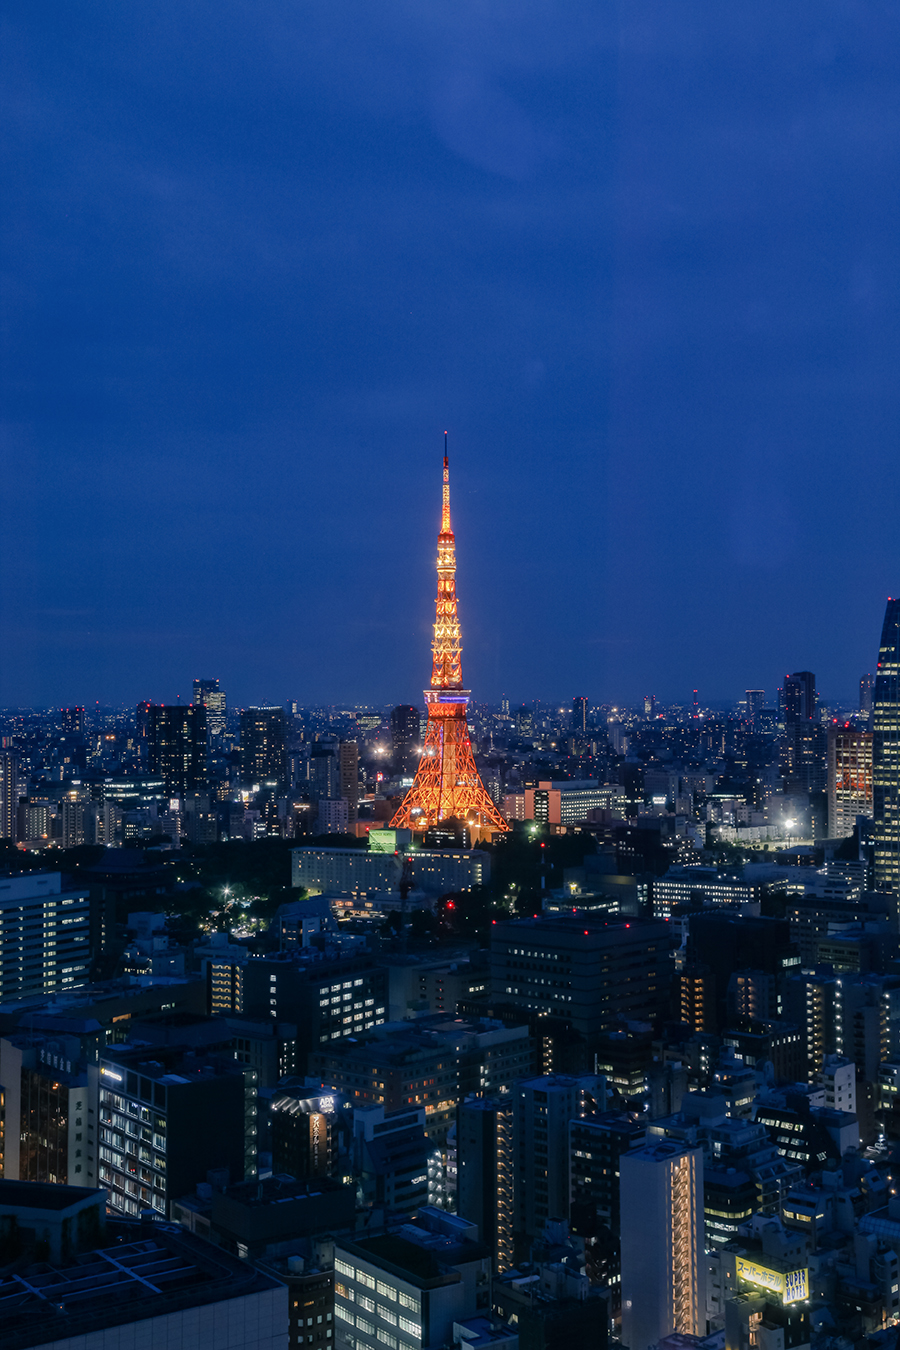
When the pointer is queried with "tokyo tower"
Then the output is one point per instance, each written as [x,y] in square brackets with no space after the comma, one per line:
[447,784]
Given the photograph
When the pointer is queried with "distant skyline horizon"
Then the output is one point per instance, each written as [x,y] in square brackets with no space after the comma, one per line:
[642,265]
[718,703]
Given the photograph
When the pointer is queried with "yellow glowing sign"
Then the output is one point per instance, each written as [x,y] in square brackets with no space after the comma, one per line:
[792,1285]
[796,1285]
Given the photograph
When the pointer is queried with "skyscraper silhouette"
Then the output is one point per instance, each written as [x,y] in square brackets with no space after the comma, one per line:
[755,701]
[208,694]
[886,753]
[866,689]
[263,752]
[804,748]
[404,737]
[177,742]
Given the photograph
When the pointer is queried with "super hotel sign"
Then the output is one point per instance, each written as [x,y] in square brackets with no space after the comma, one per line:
[791,1285]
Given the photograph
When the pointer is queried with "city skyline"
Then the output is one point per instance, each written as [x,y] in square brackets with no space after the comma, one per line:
[425,928]
[846,702]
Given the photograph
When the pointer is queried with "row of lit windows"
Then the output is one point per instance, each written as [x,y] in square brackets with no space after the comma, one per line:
[117,1159]
[114,1101]
[120,1130]
[382,1334]
[381,1287]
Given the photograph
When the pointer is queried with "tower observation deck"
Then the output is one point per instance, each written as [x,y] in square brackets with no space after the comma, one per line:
[447,784]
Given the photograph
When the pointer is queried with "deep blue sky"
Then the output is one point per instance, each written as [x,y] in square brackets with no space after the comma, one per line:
[640,259]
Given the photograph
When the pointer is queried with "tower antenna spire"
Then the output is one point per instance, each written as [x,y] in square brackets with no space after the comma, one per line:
[447,785]
[446,528]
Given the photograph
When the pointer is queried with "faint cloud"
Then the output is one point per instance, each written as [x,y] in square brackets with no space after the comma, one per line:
[485,126]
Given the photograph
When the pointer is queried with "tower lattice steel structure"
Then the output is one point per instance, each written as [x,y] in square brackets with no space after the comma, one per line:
[447,784]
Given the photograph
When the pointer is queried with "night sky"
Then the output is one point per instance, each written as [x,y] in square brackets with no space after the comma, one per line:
[641,261]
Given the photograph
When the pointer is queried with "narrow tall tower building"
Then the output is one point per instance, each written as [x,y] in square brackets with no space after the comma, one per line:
[849,779]
[804,748]
[447,785]
[755,700]
[404,737]
[263,749]
[208,695]
[9,794]
[886,753]
[663,1263]
[348,768]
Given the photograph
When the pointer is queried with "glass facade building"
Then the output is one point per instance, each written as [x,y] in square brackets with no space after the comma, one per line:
[849,779]
[886,753]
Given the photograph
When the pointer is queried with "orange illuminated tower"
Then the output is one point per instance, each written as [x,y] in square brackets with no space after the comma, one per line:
[447,784]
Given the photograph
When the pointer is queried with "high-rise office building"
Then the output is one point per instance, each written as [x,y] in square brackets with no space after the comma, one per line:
[886,753]
[74,817]
[348,769]
[176,739]
[208,695]
[849,779]
[798,696]
[324,770]
[72,721]
[591,972]
[142,730]
[663,1265]
[755,701]
[524,720]
[579,715]
[804,748]
[866,690]
[9,794]
[485,1172]
[405,737]
[542,1108]
[596,1143]
[263,752]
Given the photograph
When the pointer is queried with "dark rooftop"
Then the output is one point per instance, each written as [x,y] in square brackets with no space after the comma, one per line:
[403,1254]
[418,1255]
[145,1271]
[42,1195]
